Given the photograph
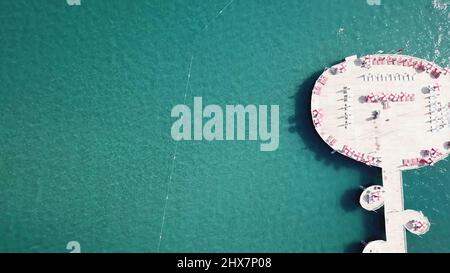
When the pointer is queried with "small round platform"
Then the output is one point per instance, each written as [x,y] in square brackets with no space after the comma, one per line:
[416,222]
[378,246]
[372,198]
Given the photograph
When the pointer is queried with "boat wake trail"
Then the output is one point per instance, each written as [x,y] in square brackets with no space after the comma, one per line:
[175,151]
[174,158]
[217,15]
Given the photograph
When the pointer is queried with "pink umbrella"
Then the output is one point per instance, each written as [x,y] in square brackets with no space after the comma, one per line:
[375,196]
[419,226]
[436,72]
[419,66]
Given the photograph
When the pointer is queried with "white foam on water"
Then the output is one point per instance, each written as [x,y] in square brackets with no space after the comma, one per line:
[440,5]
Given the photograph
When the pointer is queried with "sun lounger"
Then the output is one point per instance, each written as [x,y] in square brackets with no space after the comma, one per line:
[434,152]
[317,113]
[317,122]
[426,161]
[317,90]
[390,60]
[446,71]
[401,61]
[429,67]
[331,140]
[406,162]
[411,62]
[323,79]
[357,156]
[347,151]
[342,67]
[369,160]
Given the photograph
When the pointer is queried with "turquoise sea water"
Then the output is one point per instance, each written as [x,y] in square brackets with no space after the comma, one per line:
[85,148]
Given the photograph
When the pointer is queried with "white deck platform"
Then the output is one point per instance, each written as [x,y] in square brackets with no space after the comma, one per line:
[372,198]
[410,120]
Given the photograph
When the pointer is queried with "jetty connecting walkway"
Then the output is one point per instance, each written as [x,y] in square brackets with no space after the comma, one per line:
[391,112]
[393,210]
[394,214]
